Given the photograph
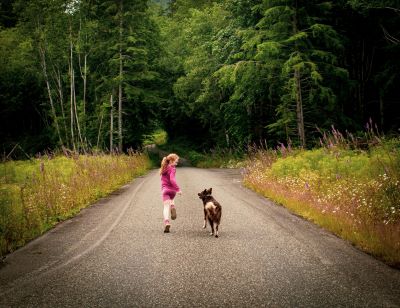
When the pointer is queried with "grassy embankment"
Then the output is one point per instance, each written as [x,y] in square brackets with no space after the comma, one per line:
[352,192]
[36,194]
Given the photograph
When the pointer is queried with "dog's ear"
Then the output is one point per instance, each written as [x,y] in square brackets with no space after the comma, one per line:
[209,191]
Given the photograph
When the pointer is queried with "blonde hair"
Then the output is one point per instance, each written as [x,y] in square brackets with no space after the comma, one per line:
[166,160]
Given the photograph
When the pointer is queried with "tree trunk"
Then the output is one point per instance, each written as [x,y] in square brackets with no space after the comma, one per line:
[100,127]
[299,109]
[46,78]
[83,73]
[74,111]
[57,75]
[120,81]
[84,93]
[299,100]
[71,85]
[111,124]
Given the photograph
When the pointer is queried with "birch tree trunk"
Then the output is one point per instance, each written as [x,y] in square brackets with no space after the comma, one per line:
[74,110]
[42,53]
[71,74]
[57,77]
[83,73]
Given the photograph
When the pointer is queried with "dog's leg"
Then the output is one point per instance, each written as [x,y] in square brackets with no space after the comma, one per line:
[205,219]
[212,226]
[216,229]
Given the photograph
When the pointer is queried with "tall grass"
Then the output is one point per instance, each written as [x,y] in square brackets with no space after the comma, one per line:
[36,194]
[349,186]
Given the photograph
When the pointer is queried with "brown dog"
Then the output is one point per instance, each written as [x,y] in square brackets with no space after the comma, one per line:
[212,210]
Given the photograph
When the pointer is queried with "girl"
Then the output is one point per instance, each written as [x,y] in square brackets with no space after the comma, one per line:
[169,188]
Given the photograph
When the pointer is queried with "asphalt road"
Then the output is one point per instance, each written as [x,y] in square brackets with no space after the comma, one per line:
[115,254]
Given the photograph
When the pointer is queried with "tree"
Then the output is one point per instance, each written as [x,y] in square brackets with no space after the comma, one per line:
[129,44]
[294,34]
[22,120]
[197,94]
[48,43]
[373,34]
[218,73]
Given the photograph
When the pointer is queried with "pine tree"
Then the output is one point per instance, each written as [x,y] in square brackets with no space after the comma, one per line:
[294,34]
[130,47]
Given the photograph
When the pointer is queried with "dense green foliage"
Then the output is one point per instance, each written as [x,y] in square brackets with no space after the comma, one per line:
[63,62]
[228,73]
[276,70]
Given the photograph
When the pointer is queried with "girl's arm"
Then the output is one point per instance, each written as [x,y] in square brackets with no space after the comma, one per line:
[173,180]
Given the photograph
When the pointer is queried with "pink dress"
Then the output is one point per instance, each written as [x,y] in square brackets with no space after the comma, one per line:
[169,187]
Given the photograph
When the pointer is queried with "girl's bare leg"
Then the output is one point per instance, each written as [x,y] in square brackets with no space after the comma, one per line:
[166,211]
[166,214]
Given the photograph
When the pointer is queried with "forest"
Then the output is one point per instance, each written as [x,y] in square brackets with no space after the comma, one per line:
[104,74]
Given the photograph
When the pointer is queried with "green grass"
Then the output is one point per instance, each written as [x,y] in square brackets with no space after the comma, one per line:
[353,193]
[159,137]
[37,194]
